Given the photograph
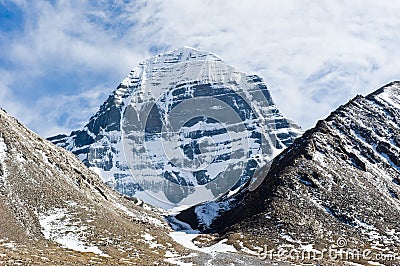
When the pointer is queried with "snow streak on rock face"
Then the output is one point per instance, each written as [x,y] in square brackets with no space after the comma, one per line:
[3,150]
[339,180]
[193,128]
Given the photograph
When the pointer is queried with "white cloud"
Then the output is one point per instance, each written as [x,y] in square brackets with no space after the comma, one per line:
[7,102]
[314,55]
[67,112]
[62,35]
[52,115]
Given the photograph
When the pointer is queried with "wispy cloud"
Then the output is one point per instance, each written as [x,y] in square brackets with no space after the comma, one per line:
[314,55]
[67,112]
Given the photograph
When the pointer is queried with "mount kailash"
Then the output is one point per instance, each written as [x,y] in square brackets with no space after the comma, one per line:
[182,128]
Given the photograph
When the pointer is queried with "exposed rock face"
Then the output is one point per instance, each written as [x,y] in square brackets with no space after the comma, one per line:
[55,211]
[339,180]
[192,126]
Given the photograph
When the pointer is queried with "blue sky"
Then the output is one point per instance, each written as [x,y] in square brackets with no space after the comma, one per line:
[60,59]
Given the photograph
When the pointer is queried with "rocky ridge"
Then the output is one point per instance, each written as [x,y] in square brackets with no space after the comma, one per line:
[338,182]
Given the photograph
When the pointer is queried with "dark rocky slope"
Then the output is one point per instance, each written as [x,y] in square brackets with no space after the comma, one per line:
[341,179]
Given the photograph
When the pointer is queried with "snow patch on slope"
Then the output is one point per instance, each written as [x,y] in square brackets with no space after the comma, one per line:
[208,212]
[186,240]
[3,150]
[59,226]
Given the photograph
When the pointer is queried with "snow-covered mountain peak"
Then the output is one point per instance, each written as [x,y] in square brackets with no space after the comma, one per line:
[182,65]
[183,54]
[175,67]
[181,120]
